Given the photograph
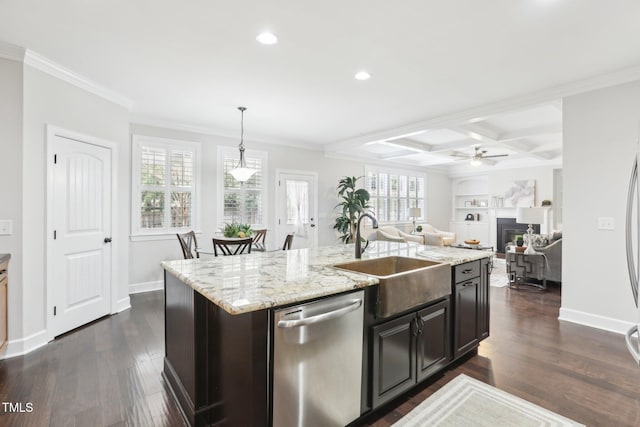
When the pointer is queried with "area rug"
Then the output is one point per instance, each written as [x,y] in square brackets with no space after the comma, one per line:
[499,277]
[466,402]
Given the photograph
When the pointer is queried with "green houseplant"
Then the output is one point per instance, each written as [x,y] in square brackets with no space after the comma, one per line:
[353,203]
[236,230]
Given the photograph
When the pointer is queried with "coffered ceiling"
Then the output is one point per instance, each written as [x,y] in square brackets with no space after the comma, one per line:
[446,76]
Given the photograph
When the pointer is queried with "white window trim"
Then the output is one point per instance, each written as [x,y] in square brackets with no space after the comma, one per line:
[392,171]
[137,141]
[234,152]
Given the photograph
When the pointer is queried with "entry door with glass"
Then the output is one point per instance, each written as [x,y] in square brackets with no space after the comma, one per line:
[297,209]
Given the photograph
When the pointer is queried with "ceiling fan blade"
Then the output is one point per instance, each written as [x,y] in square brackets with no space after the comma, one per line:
[464,156]
[495,155]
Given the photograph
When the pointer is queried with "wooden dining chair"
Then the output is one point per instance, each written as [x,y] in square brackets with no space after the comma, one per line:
[188,244]
[287,242]
[258,240]
[232,247]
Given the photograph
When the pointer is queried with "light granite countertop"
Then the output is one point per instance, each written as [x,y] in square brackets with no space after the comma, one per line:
[4,257]
[260,280]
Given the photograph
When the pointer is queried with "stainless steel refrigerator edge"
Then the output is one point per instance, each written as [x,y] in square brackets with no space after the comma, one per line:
[317,362]
[632,264]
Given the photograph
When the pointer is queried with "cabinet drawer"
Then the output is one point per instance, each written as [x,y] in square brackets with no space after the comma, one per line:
[467,271]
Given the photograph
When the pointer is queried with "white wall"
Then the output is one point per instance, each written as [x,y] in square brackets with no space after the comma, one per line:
[600,134]
[438,200]
[48,100]
[145,270]
[11,187]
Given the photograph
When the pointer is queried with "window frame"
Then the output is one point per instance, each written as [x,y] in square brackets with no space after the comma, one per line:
[232,151]
[397,172]
[167,232]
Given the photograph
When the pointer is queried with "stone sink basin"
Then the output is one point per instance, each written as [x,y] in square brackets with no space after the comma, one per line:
[404,282]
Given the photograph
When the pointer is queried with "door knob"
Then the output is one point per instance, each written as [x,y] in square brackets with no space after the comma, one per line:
[107,239]
[312,225]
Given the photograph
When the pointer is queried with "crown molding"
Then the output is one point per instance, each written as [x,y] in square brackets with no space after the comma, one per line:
[47,66]
[135,119]
[11,52]
[470,115]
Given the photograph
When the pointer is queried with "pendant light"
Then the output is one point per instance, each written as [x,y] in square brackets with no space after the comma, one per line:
[241,172]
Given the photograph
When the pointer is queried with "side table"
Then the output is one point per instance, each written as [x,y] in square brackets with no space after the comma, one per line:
[521,266]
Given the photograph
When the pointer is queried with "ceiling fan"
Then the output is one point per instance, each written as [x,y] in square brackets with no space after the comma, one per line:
[478,156]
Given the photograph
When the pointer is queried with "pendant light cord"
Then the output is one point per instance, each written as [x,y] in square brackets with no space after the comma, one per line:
[242,161]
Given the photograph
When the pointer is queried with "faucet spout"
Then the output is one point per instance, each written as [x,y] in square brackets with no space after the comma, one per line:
[359,249]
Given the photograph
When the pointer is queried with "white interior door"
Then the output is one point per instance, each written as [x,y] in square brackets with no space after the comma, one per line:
[81,218]
[297,199]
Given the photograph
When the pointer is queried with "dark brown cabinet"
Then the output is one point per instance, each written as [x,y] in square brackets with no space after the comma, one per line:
[471,296]
[409,349]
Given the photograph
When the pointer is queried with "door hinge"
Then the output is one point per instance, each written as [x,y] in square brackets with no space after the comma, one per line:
[54,310]
[55,159]
[55,234]
[278,222]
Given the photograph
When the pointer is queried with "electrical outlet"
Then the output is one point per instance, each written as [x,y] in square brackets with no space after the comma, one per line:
[605,223]
[6,227]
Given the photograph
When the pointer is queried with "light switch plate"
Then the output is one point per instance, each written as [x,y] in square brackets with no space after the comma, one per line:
[605,223]
[6,227]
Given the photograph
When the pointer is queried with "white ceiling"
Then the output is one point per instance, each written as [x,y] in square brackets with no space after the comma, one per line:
[460,72]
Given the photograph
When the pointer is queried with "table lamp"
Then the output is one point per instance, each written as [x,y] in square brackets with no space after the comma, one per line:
[415,213]
[530,216]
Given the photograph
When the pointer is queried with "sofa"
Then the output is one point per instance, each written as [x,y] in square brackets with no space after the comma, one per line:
[434,237]
[392,234]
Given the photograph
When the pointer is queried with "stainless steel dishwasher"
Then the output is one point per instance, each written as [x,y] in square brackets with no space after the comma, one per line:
[317,362]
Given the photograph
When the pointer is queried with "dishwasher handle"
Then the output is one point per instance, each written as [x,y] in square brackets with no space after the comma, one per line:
[354,305]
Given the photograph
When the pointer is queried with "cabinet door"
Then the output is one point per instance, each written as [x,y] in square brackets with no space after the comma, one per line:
[3,312]
[483,300]
[434,343]
[393,357]
[466,315]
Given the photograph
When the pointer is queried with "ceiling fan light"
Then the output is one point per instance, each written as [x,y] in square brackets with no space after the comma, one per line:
[476,162]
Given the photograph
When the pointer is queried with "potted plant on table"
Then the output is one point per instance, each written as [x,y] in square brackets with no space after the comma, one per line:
[237,230]
[519,240]
[354,203]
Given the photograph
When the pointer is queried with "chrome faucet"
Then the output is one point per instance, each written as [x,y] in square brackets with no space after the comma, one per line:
[359,248]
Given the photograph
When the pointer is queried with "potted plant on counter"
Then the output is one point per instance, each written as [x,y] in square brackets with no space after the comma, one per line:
[354,203]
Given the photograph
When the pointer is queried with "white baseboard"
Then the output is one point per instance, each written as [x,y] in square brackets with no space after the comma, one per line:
[122,304]
[594,320]
[137,288]
[25,345]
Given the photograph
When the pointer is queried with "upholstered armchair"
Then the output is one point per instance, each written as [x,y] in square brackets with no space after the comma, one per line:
[392,234]
[434,237]
[553,260]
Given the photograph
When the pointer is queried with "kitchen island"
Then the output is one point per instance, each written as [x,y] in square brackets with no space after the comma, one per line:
[219,325]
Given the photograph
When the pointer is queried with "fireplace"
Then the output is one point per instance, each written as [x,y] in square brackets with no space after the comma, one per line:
[507,229]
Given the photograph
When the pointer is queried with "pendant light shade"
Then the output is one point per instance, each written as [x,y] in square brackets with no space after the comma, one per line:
[241,172]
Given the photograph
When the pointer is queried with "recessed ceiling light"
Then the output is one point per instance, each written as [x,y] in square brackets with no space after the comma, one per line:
[362,75]
[267,38]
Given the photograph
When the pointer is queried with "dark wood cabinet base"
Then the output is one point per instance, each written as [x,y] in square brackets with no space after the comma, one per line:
[216,364]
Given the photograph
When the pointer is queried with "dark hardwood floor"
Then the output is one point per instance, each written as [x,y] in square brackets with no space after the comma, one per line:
[108,373]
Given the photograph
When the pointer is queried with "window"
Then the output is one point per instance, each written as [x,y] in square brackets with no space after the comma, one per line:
[242,202]
[165,185]
[394,192]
